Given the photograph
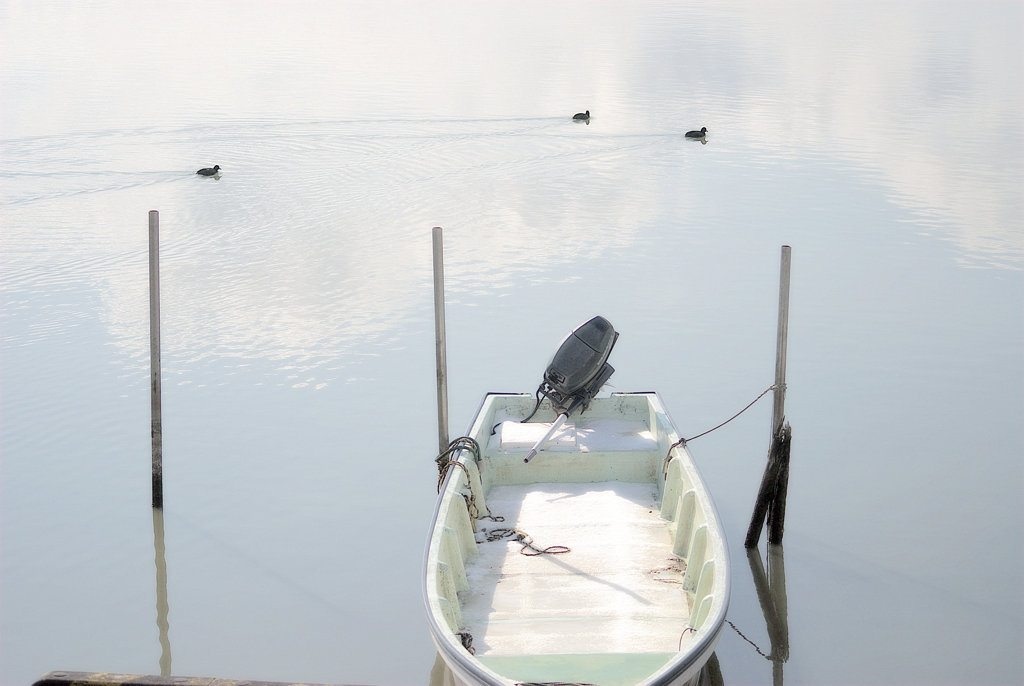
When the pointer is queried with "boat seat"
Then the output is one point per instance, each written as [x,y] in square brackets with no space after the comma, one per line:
[602,435]
[601,450]
[607,669]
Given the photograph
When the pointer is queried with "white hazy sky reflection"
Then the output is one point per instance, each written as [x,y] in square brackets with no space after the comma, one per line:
[883,140]
[930,121]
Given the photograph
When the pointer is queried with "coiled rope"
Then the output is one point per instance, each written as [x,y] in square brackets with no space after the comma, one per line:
[446,459]
[526,540]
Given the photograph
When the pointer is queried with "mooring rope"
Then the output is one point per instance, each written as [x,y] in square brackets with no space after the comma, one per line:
[759,651]
[444,470]
[467,641]
[684,441]
[444,460]
[526,540]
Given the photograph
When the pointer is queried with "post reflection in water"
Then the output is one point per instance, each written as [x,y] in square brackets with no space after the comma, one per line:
[161,591]
[771,594]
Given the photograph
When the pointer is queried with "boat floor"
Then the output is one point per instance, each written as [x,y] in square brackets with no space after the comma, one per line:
[617,590]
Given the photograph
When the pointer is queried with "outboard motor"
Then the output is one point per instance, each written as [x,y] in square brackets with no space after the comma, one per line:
[577,371]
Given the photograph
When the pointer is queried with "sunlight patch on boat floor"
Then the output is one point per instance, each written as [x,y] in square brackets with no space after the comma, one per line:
[618,590]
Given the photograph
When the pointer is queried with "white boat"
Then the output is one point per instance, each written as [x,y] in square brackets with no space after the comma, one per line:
[596,557]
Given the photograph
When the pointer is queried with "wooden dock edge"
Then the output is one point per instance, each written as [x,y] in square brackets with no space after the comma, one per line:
[64,678]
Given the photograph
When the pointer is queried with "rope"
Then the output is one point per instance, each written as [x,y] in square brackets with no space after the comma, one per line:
[444,470]
[526,540]
[444,460]
[467,641]
[684,441]
[759,651]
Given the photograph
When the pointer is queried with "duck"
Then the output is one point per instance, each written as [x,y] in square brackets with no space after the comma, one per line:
[582,116]
[209,171]
[698,134]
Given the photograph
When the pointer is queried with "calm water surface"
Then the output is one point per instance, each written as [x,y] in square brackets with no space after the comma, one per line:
[883,141]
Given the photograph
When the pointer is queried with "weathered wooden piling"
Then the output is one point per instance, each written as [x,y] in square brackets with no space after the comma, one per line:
[771,497]
[156,422]
[768,493]
[777,507]
[65,678]
[439,341]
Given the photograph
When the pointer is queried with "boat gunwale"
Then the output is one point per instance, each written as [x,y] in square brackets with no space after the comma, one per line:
[678,670]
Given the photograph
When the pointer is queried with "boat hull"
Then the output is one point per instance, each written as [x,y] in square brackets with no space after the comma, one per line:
[600,561]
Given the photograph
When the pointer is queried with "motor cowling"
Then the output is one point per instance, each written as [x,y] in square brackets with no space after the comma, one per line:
[580,366]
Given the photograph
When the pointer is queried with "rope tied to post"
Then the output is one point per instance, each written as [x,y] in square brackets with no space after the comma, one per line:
[684,441]
[446,459]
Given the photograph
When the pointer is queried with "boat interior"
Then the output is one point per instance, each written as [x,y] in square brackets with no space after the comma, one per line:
[591,563]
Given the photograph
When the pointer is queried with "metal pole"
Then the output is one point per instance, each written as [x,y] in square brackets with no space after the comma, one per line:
[439,341]
[551,432]
[154,358]
[779,407]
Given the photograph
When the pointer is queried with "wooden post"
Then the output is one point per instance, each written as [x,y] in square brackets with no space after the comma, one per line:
[439,341]
[769,485]
[777,508]
[156,424]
